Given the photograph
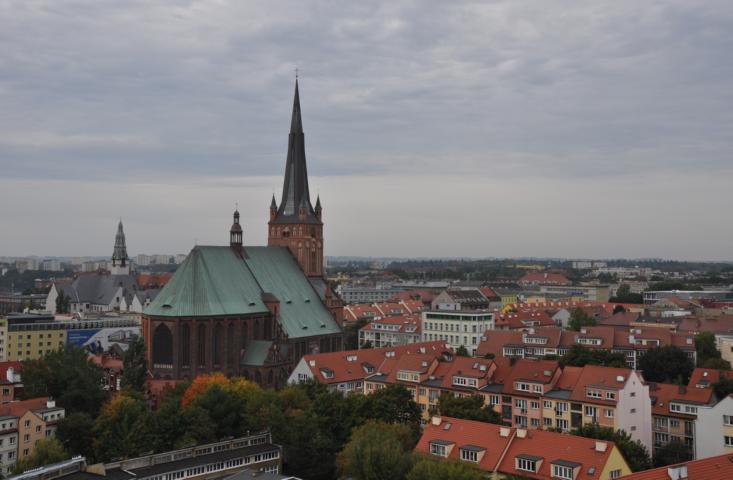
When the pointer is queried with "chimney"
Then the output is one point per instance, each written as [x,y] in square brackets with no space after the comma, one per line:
[504,432]
[601,447]
[50,403]
[521,433]
[436,421]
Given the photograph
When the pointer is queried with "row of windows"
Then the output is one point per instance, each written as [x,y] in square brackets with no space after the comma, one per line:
[216,467]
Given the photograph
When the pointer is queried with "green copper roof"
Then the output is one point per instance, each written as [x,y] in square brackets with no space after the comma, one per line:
[302,313]
[215,281]
[211,281]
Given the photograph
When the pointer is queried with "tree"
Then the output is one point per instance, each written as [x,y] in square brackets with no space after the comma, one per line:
[122,429]
[377,451]
[468,408]
[351,333]
[666,364]
[579,319]
[75,433]
[671,453]
[723,387]
[392,404]
[635,453]
[624,295]
[706,348]
[135,367]
[716,364]
[489,356]
[47,450]
[430,469]
[462,352]
[579,355]
[68,376]
[618,309]
[63,302]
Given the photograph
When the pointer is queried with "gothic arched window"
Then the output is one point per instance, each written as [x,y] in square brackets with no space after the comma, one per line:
[162,345]
[201,354]
[218,343]
[184,345]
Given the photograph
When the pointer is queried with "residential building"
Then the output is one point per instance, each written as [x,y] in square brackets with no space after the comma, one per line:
[457,328]
[391,331]
[536,342]
[674,411]
[245,310]
[202,462]
[713,428]
[719,467]
[346,371]
[517,452]
[23,424]
[651,297]
[598,293]
[366,294]
[466,298]
[543,278]
[11,384]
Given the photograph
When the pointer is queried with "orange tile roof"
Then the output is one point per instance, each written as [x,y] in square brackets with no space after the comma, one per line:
[19,408]
[493,341]
[424,296]
[530,370]
[547,278]
[358,311]
[501,445]
[712,468]
[391,309]
[601,377]
[353,365]
[402,320]
[524,319]
[664,393]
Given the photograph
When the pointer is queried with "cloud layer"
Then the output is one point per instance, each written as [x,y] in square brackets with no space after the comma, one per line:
[568,100]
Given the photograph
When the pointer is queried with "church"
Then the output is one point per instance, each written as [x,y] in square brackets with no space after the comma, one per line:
[251,311]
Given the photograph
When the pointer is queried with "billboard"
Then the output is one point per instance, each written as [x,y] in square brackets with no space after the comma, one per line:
[101,339]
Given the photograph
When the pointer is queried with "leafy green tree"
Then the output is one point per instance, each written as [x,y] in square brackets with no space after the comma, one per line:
[666,364]
[462,351]
[75,433]
[489,356]
[392,404]
[580,355]
[351,334]
[123,428]
[468,408]
[47,450]
[225,408]
[624,295]
[67,375]
[635,453]
[377,451]
[670,453]
[618,309]
[716,364]
[706,348]
[430,469]
[580,319]
[63,302]
[135,367]
[723,387]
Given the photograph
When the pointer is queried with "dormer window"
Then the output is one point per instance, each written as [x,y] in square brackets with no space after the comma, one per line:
[465,382]
[527,463]
[564,469]
[327,373]
[440,448]
[471,453]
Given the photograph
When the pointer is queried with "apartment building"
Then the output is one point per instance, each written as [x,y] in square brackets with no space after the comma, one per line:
[457,328]
[210,462]
[22,425]
[346,371]
[391,331]
[520,453]
[714,429]
[541,341]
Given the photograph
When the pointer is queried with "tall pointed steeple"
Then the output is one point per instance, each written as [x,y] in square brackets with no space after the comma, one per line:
[295,184]
[120,259]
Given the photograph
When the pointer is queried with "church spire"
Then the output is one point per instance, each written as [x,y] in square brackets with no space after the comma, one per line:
[119,255]
[296,194]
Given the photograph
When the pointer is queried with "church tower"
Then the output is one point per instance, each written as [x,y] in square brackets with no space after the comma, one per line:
[295,223]
[120,261]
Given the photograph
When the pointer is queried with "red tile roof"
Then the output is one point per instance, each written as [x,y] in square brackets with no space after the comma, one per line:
[19,408]
[353,365]
[359,311]
[664,393]
[391,309]
[424,296]
[529,370]
[544,278]
[501,446]
[601,377]
[493,341]
[712,468]
[523,319]
[404,321]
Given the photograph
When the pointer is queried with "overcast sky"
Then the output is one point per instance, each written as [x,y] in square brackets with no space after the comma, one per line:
[496,128]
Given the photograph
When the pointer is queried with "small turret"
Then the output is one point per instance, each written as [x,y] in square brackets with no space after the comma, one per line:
[235,234]
[318,207]
[273,208]
[120,264]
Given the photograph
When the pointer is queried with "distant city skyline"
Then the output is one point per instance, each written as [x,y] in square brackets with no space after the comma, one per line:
[596,130]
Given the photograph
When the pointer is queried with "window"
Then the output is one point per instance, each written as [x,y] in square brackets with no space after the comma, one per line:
[547,421]
[27,423]
[534,405]
[591,411]
[526,464]
[728,419]
[537,388]
[439,450]
[610,396]
[608,413]
[547,404]
[561,471]
[594,394]
[728,441]
[615,474]
[469,455]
